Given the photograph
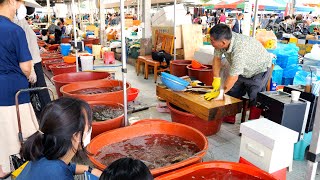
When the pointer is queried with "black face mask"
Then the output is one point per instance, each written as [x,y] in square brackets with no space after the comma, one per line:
[30,10]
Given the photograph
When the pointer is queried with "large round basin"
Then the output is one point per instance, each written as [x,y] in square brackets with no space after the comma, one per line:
[208,128]
[115,96]
[204,74]
[62,68]
[152,128]
[206,170]
[67,78]
[179,67]
[99,127]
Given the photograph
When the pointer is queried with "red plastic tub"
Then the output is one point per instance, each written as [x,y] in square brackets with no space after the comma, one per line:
[218,170]
[208,128]
[179,67]
[88,41]
[132,94]
[146,121]
[67,78]
[143,129]
[48,63]
[63,68]
[99,127]
[116,96]
[204,74]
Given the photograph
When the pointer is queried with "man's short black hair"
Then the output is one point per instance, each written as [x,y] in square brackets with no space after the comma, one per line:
[221,31]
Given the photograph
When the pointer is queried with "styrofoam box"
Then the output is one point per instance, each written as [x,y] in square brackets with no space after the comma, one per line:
[267,145]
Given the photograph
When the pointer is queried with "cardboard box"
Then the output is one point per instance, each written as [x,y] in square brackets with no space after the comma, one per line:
[168,30]
[302,52]
[309,47]
[301,46]
[310,37]
[293,40]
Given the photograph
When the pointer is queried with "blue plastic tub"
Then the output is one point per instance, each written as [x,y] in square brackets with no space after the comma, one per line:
[173,82]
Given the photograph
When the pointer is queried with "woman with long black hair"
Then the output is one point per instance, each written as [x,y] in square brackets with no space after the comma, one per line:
[64,129]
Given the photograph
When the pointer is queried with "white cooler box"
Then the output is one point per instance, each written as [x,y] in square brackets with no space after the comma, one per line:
[267,145]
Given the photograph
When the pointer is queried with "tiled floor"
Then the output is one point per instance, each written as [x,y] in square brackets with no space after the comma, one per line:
[224,145]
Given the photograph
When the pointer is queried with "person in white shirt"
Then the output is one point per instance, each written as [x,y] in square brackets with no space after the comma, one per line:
[37,77]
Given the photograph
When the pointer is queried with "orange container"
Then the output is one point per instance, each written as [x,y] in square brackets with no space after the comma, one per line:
[116,96]
[201,170]
[69,59]
[195,64]
[67,78]
[99,127]
[208,128]
[143,129]
[132,94]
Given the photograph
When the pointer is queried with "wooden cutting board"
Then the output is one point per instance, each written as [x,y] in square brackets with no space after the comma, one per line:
[197,105]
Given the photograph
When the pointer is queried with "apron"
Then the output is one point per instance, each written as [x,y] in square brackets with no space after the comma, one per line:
[9,141]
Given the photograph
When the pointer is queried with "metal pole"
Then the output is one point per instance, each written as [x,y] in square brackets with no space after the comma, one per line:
[314,145]
[256,9]
[79,7]
[124,63]
[102,23]
[75,32]
[48,9]
[138,10]
[174,31]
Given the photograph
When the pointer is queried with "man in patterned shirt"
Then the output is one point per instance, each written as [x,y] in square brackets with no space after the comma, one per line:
[250,66]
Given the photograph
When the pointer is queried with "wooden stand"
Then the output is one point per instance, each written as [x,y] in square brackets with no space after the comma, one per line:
[197,105]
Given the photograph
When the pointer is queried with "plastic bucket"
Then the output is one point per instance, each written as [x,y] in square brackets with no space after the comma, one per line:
[208,128]
[65,49]
[108,57]
[205,170]
[142,129]
[86,62]
[67,78]
[96,51]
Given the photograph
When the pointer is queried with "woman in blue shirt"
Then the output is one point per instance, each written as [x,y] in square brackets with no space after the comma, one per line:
[64,129]
[15,68]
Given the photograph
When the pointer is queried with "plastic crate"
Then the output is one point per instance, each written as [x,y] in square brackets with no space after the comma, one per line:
[277,74]
[287,81]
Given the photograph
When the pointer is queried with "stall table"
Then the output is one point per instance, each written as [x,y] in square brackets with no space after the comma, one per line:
[197,105]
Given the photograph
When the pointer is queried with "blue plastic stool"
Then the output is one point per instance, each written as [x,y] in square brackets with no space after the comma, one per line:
[300,147]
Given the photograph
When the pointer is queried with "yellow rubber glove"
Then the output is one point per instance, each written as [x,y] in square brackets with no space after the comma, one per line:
[216,83]
[211,95]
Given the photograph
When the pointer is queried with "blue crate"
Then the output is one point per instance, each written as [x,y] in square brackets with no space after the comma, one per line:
[277,74]
[287,81]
